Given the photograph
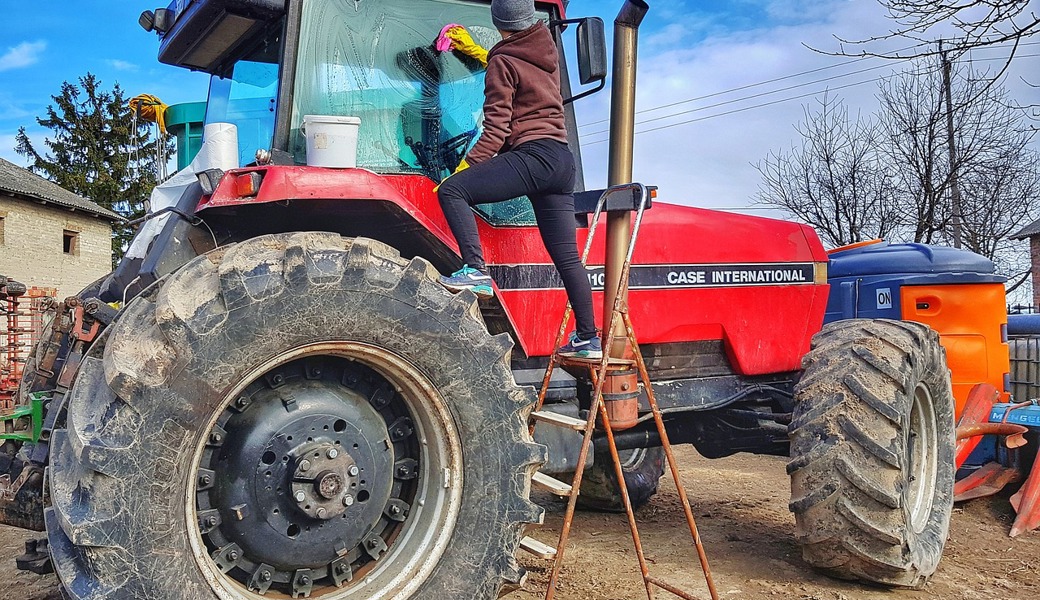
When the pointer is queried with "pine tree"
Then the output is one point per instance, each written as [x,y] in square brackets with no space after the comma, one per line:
[96,151]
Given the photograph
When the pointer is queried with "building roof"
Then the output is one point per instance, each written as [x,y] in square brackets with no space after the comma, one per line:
[22,182]
[1027,231]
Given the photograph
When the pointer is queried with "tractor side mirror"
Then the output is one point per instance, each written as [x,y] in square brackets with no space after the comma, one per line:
[163,21]
[592,53]
[592,50]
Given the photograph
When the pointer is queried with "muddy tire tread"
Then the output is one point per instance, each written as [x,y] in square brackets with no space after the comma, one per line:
[130,415]
[848,452]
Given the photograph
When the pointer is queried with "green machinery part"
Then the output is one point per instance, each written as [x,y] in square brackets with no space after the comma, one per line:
[25,423]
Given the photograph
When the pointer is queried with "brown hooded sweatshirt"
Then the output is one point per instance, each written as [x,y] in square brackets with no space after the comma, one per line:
[522,99]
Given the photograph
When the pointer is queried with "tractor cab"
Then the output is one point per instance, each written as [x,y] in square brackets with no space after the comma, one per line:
[274,61]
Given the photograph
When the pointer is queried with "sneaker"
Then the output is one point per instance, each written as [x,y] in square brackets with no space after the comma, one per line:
[580,348]
[468,278]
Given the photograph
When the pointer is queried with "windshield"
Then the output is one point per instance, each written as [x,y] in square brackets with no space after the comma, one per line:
[420,109]
[247,96]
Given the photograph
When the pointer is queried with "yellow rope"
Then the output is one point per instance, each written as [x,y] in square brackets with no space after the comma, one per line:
[150,108]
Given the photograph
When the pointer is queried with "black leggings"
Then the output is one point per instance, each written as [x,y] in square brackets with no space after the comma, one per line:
[542,170]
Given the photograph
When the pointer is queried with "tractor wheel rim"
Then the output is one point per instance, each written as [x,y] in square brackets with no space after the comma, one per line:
[922,471]
[393,526]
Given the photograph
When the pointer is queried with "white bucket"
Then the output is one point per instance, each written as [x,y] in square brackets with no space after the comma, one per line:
[331,141]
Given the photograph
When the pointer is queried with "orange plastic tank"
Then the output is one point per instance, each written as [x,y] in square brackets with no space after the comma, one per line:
[971,320]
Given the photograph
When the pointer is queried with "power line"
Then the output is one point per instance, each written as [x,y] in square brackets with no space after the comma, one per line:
[755,106]
[793,76]
[753,96]
[743,109]
[754,85]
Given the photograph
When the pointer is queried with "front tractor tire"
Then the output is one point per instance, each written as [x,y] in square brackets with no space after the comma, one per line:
[872,446]
[296,415]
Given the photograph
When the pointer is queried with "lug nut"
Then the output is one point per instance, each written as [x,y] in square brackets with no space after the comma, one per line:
[353,470]
[300,496]
[332,453]
[305,465]
[348,500]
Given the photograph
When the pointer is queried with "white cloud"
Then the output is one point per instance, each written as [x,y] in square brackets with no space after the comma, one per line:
[22,55]
[121,65]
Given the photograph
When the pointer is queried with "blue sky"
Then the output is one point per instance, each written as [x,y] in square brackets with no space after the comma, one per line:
[41,46]
[690,48]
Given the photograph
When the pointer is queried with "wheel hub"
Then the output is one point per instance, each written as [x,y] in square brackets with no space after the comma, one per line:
[325,481]
[308,477]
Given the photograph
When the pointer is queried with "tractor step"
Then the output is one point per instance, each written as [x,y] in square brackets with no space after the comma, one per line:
[551,484]
[533,546]
[559,420]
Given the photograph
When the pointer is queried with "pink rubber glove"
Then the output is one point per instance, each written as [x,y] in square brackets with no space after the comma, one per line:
[443,43]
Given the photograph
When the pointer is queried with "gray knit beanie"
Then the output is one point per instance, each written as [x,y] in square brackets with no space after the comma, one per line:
[513,15]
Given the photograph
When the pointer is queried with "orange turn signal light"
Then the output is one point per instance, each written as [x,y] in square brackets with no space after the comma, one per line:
[248,184]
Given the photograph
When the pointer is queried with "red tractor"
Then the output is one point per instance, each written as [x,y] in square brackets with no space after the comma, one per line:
[286,401]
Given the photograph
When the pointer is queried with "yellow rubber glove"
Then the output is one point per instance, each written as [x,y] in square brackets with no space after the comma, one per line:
[462,167]
[462,41]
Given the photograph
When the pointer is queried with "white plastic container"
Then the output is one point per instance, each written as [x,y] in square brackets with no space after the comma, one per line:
[331,141]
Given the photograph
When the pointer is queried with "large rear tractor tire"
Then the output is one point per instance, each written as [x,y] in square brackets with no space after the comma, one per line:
[643,468]
[872,445]
[296,415]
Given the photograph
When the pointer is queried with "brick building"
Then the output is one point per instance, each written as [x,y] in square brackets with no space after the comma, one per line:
[49,236]
[1031,232]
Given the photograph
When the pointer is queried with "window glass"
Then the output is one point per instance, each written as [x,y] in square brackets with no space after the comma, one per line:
[420,109]
[248,97]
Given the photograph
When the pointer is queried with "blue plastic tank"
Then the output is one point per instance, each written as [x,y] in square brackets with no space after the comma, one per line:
[866,281]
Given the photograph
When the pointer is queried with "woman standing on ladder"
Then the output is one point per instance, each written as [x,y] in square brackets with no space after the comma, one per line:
[522,152]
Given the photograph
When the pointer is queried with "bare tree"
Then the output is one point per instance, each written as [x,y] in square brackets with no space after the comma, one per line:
[995,166]
[834,181]
[1000,191]
[891,176]
[913,122]
[963,24]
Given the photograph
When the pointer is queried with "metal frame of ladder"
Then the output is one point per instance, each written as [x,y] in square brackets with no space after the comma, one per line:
[598,370]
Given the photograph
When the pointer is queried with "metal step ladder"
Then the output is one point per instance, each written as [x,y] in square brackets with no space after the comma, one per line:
[632,197]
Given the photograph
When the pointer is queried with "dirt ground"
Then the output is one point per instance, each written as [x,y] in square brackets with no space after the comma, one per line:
[741,507]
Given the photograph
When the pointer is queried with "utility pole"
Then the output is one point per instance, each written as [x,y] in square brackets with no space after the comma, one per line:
[955,191]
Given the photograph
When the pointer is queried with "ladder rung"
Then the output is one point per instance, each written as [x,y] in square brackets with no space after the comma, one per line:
[529,544]
[552,418]
[594,362]
[551,484]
